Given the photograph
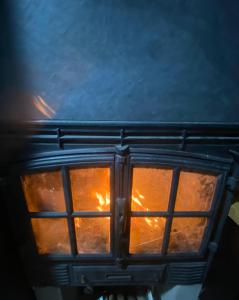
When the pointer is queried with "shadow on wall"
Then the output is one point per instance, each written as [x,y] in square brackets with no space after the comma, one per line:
[13,284]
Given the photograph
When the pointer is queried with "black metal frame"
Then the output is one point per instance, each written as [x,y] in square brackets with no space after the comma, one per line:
[122,147]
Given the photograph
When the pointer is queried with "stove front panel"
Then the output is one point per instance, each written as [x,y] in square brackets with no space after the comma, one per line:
[122,214]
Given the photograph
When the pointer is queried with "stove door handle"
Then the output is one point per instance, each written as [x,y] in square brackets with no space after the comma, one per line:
[122,214]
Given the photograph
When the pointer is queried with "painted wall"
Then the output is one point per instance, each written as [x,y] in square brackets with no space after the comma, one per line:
[174,60]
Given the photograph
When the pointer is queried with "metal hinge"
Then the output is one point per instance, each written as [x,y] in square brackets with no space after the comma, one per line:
[184,138]
[59,141]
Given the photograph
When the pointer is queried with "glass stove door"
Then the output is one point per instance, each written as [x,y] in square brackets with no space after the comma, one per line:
[164,221]
[71,210]
[71,216]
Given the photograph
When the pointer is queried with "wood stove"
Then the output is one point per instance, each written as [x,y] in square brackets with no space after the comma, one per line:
[133,199]
[110,204]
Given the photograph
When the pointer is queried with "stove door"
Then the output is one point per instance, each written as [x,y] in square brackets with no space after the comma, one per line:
[70,210]
[170,205]
[125,206]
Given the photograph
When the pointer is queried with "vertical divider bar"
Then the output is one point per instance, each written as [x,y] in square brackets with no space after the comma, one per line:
[69,209]
[172,199]
[119,175]
[112,208]
[121,207]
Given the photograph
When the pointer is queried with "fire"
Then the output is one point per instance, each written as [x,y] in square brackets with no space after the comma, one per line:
[103,205]
[136,200]
[104,201]
[77,222]
[152,222]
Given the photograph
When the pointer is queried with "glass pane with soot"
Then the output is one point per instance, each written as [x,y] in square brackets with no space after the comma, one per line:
[195,191]
[51,235]
[44,191]
[150,189]
[150,193]
[187,234]
[146,234]
[92,235]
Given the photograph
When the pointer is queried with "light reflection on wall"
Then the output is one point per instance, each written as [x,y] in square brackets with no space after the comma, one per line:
[43,107]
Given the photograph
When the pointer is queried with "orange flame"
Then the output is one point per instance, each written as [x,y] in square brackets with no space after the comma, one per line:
[152,222]
[77,222]
[104,202]
[136,200]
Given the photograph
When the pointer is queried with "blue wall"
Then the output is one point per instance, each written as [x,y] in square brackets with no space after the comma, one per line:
[174,60]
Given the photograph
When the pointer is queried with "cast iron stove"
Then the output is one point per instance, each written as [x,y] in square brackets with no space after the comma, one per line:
[111,204]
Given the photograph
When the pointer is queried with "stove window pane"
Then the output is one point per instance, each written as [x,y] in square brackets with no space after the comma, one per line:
[187,234]
[146,234]
[44,191]
[51,235]
[195,192]
[90,189]
[92,235]
[151,189]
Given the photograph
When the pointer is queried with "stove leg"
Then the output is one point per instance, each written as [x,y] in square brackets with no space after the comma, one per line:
[200,296]
[155,292]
